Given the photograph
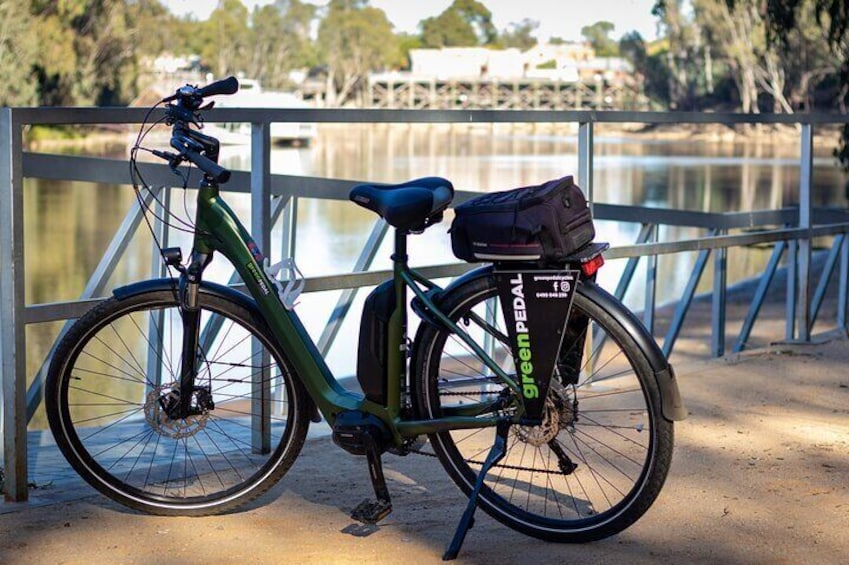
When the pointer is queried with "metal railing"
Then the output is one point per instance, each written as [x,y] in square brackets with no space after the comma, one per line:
[274,199]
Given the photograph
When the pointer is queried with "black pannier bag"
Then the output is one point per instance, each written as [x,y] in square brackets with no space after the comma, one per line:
[546,222]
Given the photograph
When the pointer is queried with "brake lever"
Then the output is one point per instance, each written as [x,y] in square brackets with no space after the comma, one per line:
[174,160]
[198,114]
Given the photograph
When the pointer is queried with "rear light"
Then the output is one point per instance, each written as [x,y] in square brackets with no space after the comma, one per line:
[591,266]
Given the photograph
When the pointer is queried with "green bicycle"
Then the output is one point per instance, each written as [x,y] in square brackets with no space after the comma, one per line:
[178,396]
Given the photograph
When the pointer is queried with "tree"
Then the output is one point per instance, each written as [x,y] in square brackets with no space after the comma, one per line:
[781,20]
[354,38]
[685,56]
[406,43]
[647,65]
[519,35]
[598,35]
[152,28]
[767,72]
[739,33]
[281,41]
[85,54]
[465,23]
[18,52]
[226,38]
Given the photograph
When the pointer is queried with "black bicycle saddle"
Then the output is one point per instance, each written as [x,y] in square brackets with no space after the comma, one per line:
[410,206]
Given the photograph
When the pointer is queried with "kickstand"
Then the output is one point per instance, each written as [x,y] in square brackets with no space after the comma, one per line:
[499,448]
[373,511]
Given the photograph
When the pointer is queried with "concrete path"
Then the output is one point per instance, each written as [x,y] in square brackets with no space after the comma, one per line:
[760,475]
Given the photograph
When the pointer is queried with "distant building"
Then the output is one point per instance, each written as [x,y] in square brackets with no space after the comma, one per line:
[567,62]
[466,63]
[610,70]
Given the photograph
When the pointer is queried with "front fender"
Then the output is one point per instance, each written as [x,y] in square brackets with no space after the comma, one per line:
[210,288]
[672,406]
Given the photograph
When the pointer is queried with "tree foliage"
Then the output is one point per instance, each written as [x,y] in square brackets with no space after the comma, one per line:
[598,34]
[281,41]
[354,38]
[788,24]
[85,54]
[519,35]
[18,53]
[226,35]
[740,42]
[465,23]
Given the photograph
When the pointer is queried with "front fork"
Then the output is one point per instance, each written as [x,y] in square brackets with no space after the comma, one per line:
[190,280]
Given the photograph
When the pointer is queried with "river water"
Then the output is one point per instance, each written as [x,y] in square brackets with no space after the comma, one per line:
[68,225]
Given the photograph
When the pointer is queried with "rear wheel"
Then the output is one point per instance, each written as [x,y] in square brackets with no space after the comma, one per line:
[601,454]
[116,372]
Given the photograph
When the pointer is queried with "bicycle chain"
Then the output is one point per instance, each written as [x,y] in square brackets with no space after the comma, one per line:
[474,462]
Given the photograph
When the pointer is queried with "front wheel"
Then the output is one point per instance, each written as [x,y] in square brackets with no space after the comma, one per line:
[602,452]
[111,390]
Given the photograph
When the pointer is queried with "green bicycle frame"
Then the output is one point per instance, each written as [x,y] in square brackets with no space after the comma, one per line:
[218,229]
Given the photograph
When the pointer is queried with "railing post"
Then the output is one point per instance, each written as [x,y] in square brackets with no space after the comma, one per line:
[261,185]
[844,283]
[585,159]
[792,289]
[651,286]
[158,269]
[261,231]
[12,304]
[289,223]
[720,280]
[804,254]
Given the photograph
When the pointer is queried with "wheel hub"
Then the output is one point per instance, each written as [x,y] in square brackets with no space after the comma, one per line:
[156,412]
[559,412]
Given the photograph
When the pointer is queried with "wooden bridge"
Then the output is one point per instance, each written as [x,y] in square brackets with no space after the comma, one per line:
[428,93]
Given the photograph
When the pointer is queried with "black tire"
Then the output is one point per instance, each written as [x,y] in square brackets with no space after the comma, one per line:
[609,422]
[103,404]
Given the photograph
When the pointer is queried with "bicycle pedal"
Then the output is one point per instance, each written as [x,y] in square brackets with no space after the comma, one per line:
[371,511]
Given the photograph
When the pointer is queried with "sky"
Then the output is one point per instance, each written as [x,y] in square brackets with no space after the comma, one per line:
[557,18]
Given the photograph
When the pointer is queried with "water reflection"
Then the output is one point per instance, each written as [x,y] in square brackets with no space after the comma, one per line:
[69,224]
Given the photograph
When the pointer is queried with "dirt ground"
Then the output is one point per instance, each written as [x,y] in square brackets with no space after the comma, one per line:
[760,475]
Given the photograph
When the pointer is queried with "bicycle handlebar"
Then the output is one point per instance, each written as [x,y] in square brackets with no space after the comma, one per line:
[189,98]
[229,85]
[192,96]
[208,166]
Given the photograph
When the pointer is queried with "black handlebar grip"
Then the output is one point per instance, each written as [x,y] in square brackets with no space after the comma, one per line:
[229,85]
[208,166]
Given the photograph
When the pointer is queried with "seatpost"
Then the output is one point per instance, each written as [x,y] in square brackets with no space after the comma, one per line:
[396,368]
